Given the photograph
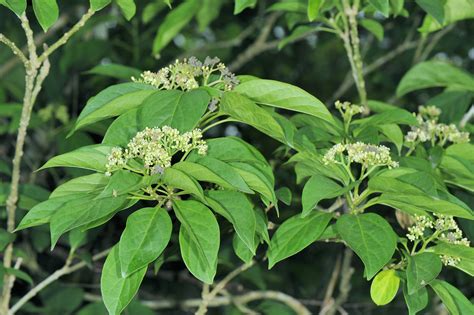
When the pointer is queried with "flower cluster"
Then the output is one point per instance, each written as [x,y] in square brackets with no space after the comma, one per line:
[189,74]
[155,148]
[443,228]
[430,130]
[366,154]
[346,108]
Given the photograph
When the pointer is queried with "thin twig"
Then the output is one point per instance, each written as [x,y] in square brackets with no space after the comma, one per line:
[16,51]
[328,299]
[207,295]
[66,269]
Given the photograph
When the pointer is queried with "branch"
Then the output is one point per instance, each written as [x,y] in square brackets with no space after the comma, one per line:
[16,51]
[66,269]
[258,46]
[208,296]
[63,40]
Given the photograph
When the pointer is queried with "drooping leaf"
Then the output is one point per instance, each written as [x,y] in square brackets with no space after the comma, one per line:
[313,9]
[175,178]
[374,27]
[382,6]
[421,269]
[127,7]
[174,22]
[295,234]
[46,11]
[199,238]
[384,287]
[17,6]
[319,188]
[431,74]
[146,235]
[116,71]
[92,157]
[97,5]
[238,210]
[370,237]
[240,5]
[435,8]
[117,291]
[417,301]
[452,298]
[454,10]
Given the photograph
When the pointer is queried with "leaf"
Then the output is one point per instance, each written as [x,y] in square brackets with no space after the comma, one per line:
[46,11]
[374,27]
[146,235]
[454,10]
[80,212]
[421,269]
[452,298]
[113,101]
[215,171]
[173,23]
[116,71]
[431,74]
[465,253]
[381,5]
[256,180]
[394,134]
[246,111]
[313,9]
[240,5]
[242,250]
[435,8]
[127,7]
[175,178]
[319,188]
[208,12]
[417,301]
[295,234]
[117,292]
[177,109]
[5,239]
[17,6]
[384,287]
[284,195]
[97,5]
[370,237]
[92,157]
[238,210]
[18,274]
[77,238]
[286,96]
[199,238]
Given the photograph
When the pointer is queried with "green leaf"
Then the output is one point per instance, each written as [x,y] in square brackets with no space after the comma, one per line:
[173,23]
[77,238]
[242,250]
[117,292]
[113,101]
[199,238]
[175,178]
[116,71]
[178,109]
[246,111]
[18,274]
[319,188]
[46,11]
[384,287]
[465,253]
[313,9]
[295,234]
[374,27]
[5,239]
[17,6]
[208,12]
[381,5]
[256,180]
[454,10]
[97,5]
[452,298]
[421,269]
[238,210]
[417,301]
[295,6]
[92,157]
[146,235]
[394,134]
[431,74]
[127,7]
[240,5]
[286,96]
[212,170]
[435,8]
[370,237]
[284,195]
[79,212]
